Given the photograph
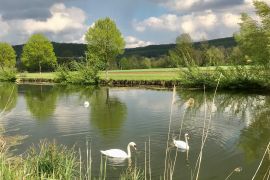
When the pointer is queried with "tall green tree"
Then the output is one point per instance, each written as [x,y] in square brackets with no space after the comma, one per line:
[215,56]
[105,43]
[254,37]
[263,11]
[7,55]
[37,53]
[183,53]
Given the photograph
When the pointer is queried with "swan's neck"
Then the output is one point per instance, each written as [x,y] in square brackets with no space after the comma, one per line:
[186,139]
[128,151]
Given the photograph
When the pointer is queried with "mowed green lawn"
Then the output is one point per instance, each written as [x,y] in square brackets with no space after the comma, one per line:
[134,74]
[143,74]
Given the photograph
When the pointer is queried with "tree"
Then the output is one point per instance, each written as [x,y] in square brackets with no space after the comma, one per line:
[38,52]
[254,37]
[237,56]
[215,56]
[183,52]
[105,43]
[263,11]
[7,56]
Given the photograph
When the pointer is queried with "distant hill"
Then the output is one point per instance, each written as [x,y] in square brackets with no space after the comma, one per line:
[163,49]
[72,50]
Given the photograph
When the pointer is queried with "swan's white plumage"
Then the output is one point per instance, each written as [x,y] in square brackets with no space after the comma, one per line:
[183,145]
[118,153]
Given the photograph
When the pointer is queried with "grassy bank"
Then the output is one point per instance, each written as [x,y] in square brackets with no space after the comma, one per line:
[230,77]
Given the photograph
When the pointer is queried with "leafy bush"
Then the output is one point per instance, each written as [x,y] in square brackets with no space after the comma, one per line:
[196,77]
[8,75]
[241,77]
[83,74]
[233,77]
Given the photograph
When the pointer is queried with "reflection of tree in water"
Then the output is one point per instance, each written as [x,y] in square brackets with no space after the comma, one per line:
[254,138]
[41,100]
[8,96]
[236,103]
[107,112]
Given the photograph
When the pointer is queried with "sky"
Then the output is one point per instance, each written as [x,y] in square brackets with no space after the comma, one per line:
[141,22]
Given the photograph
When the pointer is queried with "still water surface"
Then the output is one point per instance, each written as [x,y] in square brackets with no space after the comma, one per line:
[239,130]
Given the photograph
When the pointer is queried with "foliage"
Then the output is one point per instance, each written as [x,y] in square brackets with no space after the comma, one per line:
[8,75]
[104,42]
[7,56]
[50,160]
[253,38]
[195,77]
[237,56]
[138,62]
[215,56]
[233,77]
[83,74]
[38,53]
[132,173]
[183,49]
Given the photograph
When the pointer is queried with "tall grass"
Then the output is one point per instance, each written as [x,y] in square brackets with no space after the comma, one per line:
[50,160]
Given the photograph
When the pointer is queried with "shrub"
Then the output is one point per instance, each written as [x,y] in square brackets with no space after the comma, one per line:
[8,75]
[84,74]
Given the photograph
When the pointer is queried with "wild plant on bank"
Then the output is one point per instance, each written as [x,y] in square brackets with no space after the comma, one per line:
[8,75]
[82,74]
[50,160]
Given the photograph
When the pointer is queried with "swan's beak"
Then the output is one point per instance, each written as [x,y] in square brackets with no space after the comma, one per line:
[135,147]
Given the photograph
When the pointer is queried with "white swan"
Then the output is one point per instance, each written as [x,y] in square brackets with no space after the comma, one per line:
[118,153]
[86,104]
[183,145]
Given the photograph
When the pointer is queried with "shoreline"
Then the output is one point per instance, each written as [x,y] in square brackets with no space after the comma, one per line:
[111,82]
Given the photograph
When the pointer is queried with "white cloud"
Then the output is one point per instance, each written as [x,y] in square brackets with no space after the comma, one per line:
[196,24]
[4,27]
[132,42]
[165,22]
[65,24]
[231,20]
[62,18]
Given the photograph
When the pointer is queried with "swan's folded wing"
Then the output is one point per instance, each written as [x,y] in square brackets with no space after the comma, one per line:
[118,153]
[180,144]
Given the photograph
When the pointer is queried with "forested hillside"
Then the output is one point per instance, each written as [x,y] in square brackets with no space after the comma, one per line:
[71,50]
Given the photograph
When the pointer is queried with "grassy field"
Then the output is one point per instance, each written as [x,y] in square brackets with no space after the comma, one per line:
[136,74]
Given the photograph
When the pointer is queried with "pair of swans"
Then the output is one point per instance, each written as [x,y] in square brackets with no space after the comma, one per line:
[118,153]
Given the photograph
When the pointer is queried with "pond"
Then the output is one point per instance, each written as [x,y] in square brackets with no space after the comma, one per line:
[238,135]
